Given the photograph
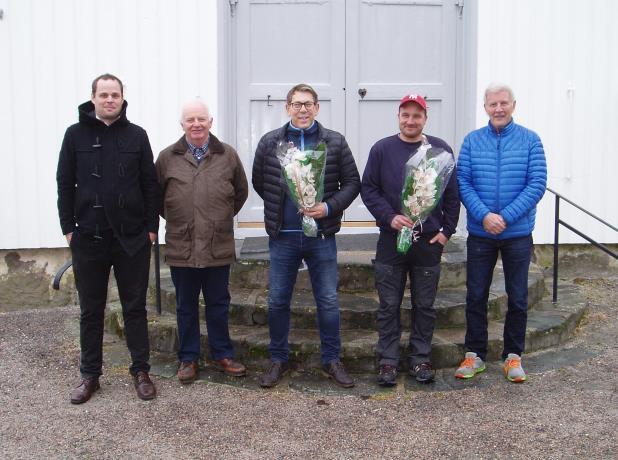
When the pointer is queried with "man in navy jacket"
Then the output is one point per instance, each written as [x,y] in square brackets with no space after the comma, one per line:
[288,244]
[381,189]
[502,176]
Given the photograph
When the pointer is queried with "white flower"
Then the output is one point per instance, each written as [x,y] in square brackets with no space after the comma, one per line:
[426,201]
[431,175]
[292,150]
[415,208]
[291,170]
[305,171]
[418,175]
[427,190]
[309,194]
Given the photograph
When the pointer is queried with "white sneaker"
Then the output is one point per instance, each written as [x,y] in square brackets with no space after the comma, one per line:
[513,370]
[470,366]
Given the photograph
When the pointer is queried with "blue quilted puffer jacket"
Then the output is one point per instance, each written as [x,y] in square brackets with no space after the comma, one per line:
[504,173]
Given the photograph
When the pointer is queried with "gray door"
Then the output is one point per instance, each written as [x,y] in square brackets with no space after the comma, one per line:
[397,48]
[385,48]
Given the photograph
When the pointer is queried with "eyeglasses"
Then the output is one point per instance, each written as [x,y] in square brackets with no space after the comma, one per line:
[297,105]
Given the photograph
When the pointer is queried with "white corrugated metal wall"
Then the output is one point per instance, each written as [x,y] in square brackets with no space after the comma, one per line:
[165,51]
[560,59]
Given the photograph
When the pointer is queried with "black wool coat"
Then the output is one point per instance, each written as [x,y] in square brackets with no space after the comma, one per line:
[107,180]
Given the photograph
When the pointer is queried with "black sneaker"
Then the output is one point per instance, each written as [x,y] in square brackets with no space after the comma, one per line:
[423,372]
[387,375]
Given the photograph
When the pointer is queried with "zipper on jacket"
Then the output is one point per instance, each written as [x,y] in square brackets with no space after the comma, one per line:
[498,159]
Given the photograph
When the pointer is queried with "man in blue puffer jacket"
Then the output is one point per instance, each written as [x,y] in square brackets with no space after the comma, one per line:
[502,174]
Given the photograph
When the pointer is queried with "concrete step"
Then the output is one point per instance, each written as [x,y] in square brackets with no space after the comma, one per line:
[249,306]
[354,257]
[548,326]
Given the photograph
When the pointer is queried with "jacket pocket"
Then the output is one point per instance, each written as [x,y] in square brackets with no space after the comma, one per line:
[128,163]
[177,242]
[222,246]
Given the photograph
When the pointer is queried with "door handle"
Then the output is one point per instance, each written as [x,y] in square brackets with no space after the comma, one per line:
[362,92]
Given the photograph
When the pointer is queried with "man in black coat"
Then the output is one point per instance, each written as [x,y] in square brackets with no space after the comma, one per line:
[107,203]
[289,245]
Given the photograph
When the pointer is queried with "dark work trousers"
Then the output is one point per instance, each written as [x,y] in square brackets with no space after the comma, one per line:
[213,283]
[422,263]
[92,262]
[482,257]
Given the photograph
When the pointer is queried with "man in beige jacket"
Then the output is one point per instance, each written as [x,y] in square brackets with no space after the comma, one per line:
[204,186]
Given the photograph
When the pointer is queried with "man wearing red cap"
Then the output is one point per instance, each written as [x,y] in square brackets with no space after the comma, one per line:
[382,184]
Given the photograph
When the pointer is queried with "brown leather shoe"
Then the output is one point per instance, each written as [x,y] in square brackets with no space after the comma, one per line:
[84,390]
[335,370]
[230,367]
[188,372]
[274,374]
[144,386]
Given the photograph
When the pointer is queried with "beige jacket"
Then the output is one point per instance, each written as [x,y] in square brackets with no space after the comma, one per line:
[200,202]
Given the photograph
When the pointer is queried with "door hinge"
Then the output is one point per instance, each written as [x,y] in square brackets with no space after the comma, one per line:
[233,5]
[460,5]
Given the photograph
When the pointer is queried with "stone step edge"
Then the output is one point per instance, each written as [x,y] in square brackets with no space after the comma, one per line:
[358,354]
[497,301]
[535,271]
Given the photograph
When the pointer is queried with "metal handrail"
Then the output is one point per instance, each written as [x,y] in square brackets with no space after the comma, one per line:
[558,222]
[157,276]
[60,272]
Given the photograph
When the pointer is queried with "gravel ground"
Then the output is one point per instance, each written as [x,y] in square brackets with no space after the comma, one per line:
[567,411]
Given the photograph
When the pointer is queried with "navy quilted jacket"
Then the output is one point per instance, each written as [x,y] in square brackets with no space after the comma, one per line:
[504,173]
[341,179]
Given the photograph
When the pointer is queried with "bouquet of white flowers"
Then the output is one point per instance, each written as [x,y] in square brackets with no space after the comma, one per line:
[303,171]
[427,174]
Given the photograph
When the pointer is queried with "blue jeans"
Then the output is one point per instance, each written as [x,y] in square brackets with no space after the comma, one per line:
[286,254]
[482,256]
[213,283]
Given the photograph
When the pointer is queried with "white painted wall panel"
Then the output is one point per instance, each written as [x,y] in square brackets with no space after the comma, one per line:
[560,59]
[557,55]
[165,51]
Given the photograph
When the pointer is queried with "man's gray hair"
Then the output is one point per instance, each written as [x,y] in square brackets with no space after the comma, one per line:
[494,88]
[193,102]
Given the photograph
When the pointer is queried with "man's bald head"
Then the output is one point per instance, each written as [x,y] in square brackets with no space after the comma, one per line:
[196,122]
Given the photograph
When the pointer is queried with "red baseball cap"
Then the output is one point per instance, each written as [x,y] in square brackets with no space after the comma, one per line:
[414,98]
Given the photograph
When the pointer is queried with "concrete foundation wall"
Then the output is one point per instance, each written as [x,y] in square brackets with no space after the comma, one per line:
[26,275]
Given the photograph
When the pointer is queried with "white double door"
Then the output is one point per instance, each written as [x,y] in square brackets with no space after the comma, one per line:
[361,56]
